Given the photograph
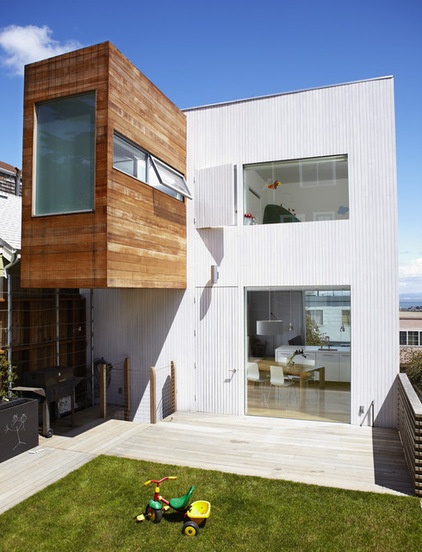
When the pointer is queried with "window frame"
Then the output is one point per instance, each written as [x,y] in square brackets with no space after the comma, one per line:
[155,167]
[405,338]
[39,208]
[277,191]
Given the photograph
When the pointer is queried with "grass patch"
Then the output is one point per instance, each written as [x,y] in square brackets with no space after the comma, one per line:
[94,509]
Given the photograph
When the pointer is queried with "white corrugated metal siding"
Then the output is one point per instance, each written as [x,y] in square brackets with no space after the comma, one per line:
[150,328]
[356,119]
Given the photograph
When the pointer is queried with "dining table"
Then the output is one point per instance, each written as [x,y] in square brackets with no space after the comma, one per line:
[303,371]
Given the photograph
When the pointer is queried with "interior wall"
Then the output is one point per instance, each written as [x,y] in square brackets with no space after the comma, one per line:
[284,305]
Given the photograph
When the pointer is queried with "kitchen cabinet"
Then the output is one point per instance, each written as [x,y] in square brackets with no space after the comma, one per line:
[337,365]
[331,362]
[344,367]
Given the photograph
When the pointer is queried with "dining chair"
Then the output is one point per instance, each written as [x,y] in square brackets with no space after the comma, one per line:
[279,380]
[253,375]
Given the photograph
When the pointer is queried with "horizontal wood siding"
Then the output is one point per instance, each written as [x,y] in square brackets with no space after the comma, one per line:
[146,229]
[66,251]
[142,113]
[136,236]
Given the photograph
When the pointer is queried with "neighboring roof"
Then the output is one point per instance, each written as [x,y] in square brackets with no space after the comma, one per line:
[6,167]
[10,220]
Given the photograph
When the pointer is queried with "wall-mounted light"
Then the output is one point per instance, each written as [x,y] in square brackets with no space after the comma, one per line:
[214,274]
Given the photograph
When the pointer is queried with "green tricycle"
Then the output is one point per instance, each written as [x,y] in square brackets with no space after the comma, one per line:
[195,513]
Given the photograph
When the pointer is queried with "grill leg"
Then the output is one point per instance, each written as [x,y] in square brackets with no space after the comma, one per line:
[46,430]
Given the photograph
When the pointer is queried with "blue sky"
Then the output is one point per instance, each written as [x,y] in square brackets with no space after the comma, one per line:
[200,53]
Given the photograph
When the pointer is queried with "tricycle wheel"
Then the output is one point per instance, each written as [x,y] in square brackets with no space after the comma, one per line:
[154,515]
[190,529]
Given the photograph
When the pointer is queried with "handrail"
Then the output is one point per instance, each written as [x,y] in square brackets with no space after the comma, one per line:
[371,409]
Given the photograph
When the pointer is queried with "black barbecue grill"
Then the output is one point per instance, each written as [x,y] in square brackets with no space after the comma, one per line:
[49,386]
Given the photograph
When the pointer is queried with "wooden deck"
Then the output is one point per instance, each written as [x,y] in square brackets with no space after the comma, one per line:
[327,454]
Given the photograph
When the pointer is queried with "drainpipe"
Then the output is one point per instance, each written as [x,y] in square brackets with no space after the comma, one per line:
[17,182]
[57,296]
[91,330]
[15,259]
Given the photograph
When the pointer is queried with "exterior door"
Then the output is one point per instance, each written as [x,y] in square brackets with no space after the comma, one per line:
[218,333]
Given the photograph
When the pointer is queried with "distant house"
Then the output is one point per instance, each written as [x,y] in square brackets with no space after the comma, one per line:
[217,236]
[10,179]
[10,235]
[411,328]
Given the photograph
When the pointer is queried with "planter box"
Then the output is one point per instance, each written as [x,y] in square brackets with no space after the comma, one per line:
[18,427]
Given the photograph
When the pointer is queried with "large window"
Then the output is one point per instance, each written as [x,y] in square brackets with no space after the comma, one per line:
[298,353]
[301,190]
[132,160]
[65,155]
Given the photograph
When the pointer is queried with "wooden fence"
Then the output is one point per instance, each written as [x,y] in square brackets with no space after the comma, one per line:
[162,387]
[126,389]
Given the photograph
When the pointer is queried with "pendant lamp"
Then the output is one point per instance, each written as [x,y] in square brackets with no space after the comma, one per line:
[270,326]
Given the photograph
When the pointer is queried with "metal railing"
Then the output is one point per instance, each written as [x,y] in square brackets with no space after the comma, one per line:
[162,392]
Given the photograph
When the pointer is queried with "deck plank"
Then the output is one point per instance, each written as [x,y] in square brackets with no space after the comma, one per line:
[327,454]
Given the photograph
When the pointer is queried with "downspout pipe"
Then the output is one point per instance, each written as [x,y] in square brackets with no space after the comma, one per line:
[15,259]
[17,182]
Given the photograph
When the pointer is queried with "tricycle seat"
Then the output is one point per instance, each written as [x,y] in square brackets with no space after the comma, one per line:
[182,502]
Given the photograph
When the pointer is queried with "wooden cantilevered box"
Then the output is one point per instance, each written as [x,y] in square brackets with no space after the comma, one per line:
[125,233]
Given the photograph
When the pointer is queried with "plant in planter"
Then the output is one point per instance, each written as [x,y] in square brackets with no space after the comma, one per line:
[18,416]
[7,376]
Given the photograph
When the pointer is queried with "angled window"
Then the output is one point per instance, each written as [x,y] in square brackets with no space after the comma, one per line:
[132,160]
[129,159]
[65,155]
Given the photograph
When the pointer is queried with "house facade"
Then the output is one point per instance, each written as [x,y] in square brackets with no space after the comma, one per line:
[291,245]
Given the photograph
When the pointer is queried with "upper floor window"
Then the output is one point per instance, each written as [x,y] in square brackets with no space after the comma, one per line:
[301,190]
[132,160]
[65,155]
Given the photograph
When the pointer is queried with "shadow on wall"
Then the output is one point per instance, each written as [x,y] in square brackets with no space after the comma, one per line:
[138,324]
[213,239]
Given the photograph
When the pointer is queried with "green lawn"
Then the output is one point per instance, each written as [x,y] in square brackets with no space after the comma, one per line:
[94,509]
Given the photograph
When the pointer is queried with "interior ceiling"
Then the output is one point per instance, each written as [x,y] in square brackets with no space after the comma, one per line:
[302,171]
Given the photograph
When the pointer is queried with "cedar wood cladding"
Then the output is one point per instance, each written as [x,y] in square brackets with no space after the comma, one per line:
[136,236]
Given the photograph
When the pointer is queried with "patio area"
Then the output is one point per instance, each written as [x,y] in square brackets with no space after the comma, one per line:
[327,454]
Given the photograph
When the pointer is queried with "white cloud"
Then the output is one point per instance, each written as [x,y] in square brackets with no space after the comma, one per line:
[411,276]
[412,268]
[23,45]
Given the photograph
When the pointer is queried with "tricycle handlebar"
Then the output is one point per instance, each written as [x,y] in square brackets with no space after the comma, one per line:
[158,481]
